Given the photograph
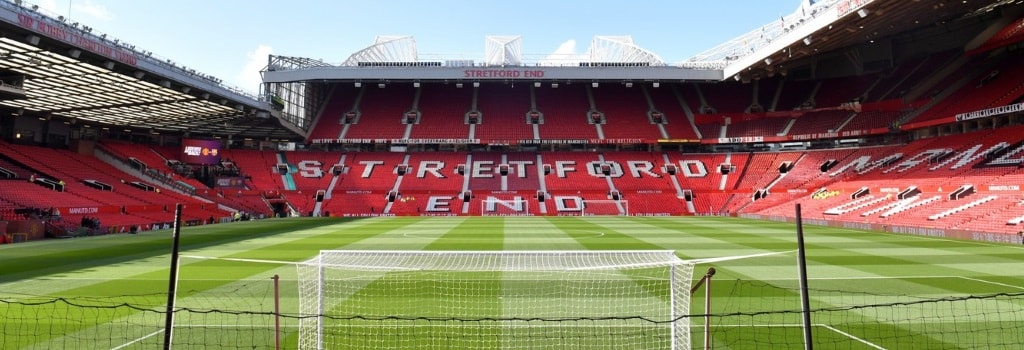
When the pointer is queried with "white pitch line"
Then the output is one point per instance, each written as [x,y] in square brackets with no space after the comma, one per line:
[738,257]
[851,336]
[278,262]
[42,279]
[991,282]
[138,340]
[855,278]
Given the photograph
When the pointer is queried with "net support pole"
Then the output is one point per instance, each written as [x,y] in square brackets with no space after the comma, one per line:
[172,280]
[321,279]
[672,305]
[805,302]
[277,312]
[707,309]
[705,281]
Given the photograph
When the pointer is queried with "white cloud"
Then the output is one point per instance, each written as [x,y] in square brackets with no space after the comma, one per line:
[90,9]
[51,7]
[249,76]
[564,55]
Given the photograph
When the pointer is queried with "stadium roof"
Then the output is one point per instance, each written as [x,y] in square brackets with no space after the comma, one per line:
[50,68]
[829,25]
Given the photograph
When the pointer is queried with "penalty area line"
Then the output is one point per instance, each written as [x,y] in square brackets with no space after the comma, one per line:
[137,340]
[278,262]
[851,336]
[738,257]
[990,282]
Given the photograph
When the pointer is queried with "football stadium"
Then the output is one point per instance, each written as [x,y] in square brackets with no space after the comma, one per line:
[845,177]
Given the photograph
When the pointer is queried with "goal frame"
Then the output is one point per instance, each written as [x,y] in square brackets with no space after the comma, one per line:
[621,205]
[312,277]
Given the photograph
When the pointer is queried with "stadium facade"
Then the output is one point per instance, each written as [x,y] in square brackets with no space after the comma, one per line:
[902,116]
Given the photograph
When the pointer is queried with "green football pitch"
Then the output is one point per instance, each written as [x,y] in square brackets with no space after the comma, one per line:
[867,290]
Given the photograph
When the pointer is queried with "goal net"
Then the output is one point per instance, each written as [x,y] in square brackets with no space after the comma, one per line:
[494,300]
[492,206]
[599,207]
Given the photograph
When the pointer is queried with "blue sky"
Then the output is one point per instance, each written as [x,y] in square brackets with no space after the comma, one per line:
[230,39]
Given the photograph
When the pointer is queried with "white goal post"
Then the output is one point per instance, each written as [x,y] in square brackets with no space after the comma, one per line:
[600,207]
[495,300]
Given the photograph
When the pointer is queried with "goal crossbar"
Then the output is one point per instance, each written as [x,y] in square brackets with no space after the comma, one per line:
[420,260]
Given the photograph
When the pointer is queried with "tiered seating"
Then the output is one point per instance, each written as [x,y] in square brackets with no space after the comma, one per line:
[960,208]
[727,97]
[382,111]
[834,92]
[411,204]
[486,164]
[1000,86]
[450,183]
[910,74]
[710,130]
[715,203]
[443,110]
[678,126]
[794,94]
[141,153]
[355,204]
[921,175]
[625,111]
[69,167]
[702,175]
[818,122]
[167,152]
[1011,33]
[872,120]
[245,200]
[689,93]
[504,110]
[655,204]
[531,180]
[988,210]
[565,113]
[996,217]
[308,179]
[763,168]
[329,124]
[578,180]
[258,166]
[19,172]
[531,207]
[756,127]
[766,91]
[124,206]
[645,182]
[379,169]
